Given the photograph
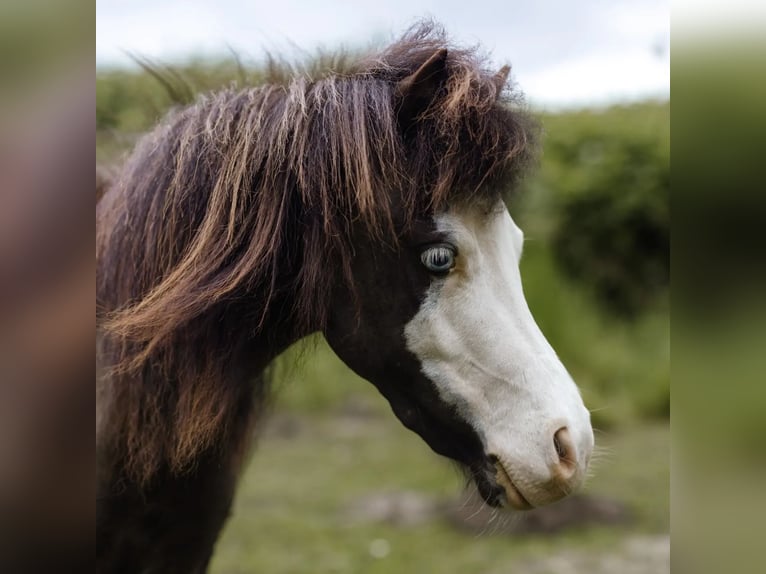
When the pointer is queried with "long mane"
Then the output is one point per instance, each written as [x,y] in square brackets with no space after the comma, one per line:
[233,219]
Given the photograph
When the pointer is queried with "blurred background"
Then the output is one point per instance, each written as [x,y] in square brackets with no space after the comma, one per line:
[336,484]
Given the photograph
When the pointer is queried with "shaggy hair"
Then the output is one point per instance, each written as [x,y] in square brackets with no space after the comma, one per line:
[235,217]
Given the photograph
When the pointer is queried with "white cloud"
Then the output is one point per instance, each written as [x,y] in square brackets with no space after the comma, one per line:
[599,79]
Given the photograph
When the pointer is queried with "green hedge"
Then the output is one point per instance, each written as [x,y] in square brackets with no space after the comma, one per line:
[605,182]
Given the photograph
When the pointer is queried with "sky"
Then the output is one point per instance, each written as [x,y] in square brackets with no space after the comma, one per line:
[563,53]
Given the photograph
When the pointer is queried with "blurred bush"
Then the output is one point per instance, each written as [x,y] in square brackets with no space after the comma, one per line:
[133,100]
[610,173]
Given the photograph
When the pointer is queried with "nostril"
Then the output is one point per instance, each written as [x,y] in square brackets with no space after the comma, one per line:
[560,448]
[565,449]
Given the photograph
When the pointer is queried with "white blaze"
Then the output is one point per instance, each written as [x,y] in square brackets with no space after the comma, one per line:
[477,341]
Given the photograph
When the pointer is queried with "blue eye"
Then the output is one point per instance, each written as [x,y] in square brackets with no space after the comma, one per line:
[438,258]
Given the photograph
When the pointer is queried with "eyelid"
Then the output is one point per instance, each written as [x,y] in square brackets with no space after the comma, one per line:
[434,244]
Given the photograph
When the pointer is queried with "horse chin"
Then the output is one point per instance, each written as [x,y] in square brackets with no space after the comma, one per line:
[497,489]
[489,489]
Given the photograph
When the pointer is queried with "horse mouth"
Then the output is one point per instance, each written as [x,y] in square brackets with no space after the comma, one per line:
[512,494]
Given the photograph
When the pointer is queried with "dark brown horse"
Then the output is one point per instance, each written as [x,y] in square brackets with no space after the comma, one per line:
[364,203]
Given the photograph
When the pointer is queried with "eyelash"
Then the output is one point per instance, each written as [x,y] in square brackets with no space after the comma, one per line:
[438,259]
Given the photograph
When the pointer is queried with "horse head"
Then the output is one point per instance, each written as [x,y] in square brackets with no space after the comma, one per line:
[440,325]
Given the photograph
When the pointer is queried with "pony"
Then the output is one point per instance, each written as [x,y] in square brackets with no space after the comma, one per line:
[364,202]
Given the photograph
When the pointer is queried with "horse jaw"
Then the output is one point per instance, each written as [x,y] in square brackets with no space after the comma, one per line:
[477,342]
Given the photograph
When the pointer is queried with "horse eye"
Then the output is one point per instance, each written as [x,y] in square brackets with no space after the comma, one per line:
[438,258]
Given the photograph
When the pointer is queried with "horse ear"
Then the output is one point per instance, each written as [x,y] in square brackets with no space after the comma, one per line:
[501,78]
[415,92]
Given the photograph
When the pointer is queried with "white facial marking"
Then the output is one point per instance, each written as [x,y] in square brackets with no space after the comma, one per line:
[477,341]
